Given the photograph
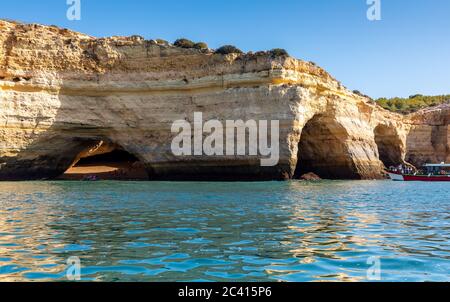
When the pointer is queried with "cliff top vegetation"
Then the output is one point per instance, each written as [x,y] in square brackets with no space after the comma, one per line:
[413,103]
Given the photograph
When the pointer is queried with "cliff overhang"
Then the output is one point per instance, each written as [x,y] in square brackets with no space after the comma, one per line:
[62,93]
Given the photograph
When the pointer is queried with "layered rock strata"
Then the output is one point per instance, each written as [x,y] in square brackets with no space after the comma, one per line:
[429,138]
[63,94]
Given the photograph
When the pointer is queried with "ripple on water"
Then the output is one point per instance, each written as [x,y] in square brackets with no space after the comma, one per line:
[122,269]
[44,276]
[11,269]
[73,248]
[197,241]
[162,231]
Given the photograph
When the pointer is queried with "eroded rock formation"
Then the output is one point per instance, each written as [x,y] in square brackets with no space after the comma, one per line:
[429,137]
[62,93]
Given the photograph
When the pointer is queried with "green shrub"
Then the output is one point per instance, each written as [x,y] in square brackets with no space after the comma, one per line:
[184,43]
[279,52]
[228,49]
[201,45]
[162,42]
[412,103]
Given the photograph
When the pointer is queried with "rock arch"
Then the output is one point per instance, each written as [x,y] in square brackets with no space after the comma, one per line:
[389,145]
[324,150]
[105,160]
[49,156]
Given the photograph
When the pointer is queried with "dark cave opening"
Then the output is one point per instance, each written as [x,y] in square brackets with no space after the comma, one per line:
[106,163]
[115,156]
[389,146]
[323,150]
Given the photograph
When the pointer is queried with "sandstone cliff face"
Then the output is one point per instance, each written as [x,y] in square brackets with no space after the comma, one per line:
[429,138]
[63,93]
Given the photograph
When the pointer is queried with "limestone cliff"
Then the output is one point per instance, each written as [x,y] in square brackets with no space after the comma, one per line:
[429,138]
[62,93]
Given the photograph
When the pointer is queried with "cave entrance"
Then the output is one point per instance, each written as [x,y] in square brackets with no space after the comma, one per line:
[389,146]
[105,161]
[323,150]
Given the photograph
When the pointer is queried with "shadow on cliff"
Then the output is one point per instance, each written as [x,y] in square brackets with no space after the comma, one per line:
[327,150]
[56,143]
[81,123]
[324,148]
[434,149]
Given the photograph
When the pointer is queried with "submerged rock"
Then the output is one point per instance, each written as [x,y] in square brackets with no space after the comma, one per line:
[310,176]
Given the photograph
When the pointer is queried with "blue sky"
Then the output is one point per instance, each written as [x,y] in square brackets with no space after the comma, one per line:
[405,53]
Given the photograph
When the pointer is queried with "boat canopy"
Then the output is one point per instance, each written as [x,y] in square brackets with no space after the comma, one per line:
[438,165]
[436,168]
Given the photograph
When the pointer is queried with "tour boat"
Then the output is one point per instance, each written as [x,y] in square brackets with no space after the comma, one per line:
[432,172]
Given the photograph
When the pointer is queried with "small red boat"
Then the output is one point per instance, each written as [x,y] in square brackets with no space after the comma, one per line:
[432,172]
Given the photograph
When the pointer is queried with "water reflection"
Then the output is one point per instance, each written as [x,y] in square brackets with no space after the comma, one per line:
[156,231]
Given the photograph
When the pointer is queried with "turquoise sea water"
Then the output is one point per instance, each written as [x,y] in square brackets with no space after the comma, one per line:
[268,231]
